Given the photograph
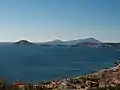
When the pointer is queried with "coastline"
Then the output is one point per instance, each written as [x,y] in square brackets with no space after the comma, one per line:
[105,78]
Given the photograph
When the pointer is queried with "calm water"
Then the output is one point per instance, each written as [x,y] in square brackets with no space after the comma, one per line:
[43,63]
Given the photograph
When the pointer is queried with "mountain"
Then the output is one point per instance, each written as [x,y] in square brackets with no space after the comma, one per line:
[24,42]
[54,42]
[90,42]
[75,42]
[72,42]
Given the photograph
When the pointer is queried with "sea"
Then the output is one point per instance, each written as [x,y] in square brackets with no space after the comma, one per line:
[39,63]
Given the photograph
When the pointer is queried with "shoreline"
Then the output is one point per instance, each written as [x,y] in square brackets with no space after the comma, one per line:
[104,78]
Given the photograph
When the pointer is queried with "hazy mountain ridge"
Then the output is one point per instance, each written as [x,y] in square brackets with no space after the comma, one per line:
[72,42]
[89,42]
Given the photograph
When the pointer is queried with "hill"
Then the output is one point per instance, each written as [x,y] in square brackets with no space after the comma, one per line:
[24,42]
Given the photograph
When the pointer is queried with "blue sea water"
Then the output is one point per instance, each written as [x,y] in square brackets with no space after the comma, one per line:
[38,63]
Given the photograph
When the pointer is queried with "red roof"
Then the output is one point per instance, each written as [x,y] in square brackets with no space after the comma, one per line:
[18,83]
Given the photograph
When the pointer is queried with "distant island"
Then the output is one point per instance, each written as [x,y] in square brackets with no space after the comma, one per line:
[24,42]
[88,42]
[77,42]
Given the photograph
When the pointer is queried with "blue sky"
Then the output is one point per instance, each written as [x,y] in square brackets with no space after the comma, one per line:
[44,20]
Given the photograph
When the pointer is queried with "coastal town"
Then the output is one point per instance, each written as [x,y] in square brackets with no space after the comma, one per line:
[105,79]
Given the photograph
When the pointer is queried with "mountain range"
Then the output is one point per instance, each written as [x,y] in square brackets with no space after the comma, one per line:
[90,42]
[71,42]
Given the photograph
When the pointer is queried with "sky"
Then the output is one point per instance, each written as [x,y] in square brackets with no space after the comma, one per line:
[44,20]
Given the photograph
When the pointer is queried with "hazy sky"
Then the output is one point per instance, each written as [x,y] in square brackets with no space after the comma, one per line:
[43,20]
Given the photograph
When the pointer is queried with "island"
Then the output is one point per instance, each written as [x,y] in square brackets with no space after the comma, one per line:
[24,42]
[88,42]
